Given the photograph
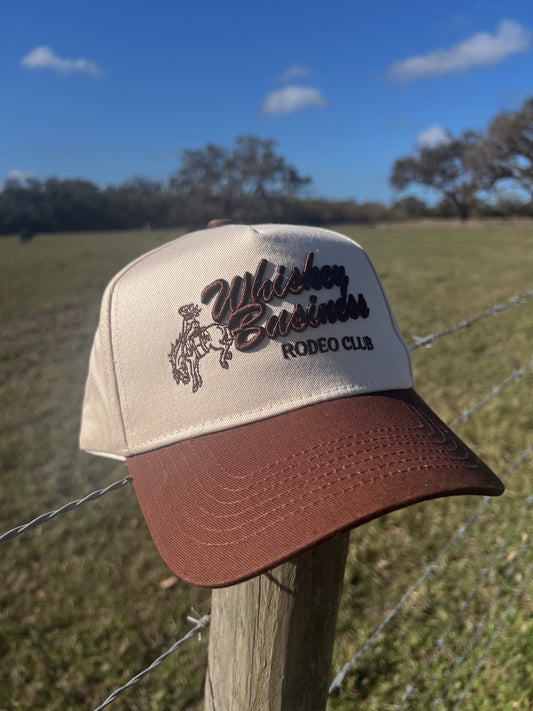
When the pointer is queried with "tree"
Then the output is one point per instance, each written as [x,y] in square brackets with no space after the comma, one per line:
[410,206]
[141,186]
[75,204]
[246,182]
[452,168]
[22,204]
[201,171]
[256,170]
[137,202]
[509,145]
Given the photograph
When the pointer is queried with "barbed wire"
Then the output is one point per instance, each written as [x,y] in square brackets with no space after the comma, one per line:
[479,627]
[494,637]
[204,622]
[427,341]
[412,688]
[200,625]
[43,518]
[497,390]
[336,685]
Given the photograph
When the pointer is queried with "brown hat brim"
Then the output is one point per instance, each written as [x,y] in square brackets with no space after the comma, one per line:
[224,507]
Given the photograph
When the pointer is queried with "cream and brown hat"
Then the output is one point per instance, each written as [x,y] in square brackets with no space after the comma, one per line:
[256,383]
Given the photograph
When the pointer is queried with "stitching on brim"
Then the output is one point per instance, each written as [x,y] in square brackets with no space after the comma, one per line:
[323,451]
[307,506]
[307,492]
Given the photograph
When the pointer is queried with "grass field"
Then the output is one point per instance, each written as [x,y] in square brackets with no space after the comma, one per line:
[84,600]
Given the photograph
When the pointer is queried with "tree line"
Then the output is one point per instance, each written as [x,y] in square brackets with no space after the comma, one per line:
[249,182]
[477,173]
[491,170]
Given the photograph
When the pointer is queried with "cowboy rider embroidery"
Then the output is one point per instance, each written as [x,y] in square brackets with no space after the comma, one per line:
[194,343]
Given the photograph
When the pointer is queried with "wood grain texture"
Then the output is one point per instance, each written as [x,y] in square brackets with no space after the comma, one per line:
[271,638]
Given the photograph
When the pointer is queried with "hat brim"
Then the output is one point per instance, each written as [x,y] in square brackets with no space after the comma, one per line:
[227,506]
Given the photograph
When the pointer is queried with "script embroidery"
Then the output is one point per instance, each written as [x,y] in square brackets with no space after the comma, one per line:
[241,306]
[239,314]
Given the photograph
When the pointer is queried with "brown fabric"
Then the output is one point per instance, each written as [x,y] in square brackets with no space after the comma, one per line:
[224,507]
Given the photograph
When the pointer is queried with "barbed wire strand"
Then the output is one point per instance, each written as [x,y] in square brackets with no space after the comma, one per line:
[204,623]
[427,341]
[481,625]
[201,625]
[336,685]
[43,518]
[497,390]
[494,637]
[412,688]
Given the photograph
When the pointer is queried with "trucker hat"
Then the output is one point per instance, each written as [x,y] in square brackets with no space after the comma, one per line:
[256,382]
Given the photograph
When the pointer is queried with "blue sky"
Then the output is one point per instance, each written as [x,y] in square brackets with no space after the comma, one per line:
[109,90]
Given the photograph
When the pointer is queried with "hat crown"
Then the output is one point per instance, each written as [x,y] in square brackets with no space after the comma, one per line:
[235,324]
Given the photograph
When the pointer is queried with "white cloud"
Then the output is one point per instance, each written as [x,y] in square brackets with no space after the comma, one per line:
[19,176]
[432,137]
[292,72]
[46,58]
[482,49]
[292,98]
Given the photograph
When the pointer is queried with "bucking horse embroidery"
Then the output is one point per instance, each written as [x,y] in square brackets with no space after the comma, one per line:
[195,342]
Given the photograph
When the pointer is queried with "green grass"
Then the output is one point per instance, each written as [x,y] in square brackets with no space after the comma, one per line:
[82,608]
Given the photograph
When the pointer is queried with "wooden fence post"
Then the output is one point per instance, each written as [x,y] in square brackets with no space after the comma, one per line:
[271,638]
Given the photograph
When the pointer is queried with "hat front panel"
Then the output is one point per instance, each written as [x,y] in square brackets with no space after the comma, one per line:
[236,324]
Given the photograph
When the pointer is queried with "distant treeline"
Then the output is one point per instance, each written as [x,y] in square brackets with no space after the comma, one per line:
[476,174]
[79,205]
